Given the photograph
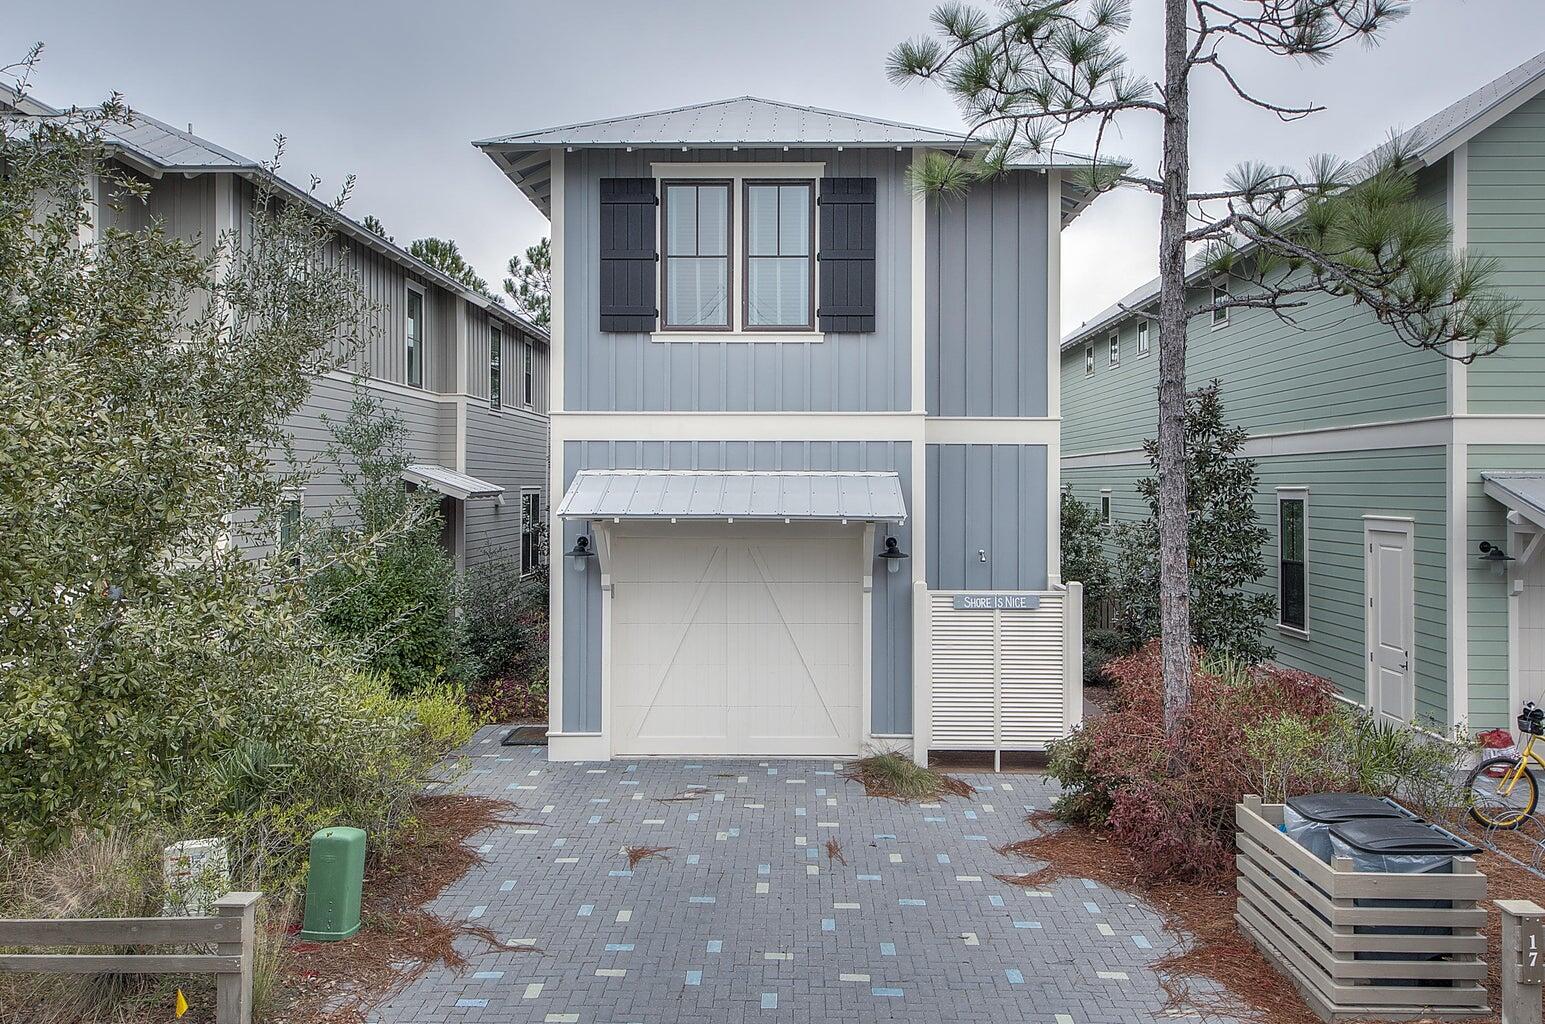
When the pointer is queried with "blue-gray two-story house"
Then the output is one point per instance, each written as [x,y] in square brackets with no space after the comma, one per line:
[805,426]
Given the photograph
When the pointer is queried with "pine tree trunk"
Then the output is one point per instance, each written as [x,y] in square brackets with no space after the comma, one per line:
[1174,572]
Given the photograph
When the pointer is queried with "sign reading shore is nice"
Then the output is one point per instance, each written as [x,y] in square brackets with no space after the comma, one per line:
[996,602]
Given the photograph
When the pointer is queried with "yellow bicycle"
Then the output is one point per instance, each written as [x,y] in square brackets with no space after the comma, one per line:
[1502,791]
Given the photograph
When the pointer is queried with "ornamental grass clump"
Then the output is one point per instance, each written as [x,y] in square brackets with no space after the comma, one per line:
[897,777]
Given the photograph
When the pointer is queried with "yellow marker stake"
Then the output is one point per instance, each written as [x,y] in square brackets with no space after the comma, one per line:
[181,1004]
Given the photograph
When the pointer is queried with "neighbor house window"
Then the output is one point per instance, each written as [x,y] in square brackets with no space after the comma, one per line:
[415,355]
[1088,360]
[1115,349]
[1105,519]
[1292,593]
[779,265]
[495,358]
[696,269]
[530,530]
[291,508]
[528,373]
[1219,313]
[1142,338]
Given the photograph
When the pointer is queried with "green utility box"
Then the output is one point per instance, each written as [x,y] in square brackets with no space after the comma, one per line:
[333,884]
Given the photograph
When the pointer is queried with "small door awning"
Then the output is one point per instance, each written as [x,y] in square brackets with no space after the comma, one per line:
[450,483]
[1522,492]
[746,495]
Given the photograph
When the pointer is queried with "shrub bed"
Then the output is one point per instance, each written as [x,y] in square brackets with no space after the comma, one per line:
[1248,729]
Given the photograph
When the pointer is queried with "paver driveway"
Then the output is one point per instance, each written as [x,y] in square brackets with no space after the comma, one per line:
[747,918]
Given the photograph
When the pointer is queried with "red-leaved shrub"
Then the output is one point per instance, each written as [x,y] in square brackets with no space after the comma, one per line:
[508,700]
[1170,798]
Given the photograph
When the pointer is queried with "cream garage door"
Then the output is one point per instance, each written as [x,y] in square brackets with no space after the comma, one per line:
[731,639]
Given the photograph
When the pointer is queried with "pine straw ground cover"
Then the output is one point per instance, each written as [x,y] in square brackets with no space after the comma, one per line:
[398,941]
[1199,915]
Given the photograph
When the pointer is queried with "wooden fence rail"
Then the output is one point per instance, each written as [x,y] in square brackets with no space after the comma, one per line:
[232,930]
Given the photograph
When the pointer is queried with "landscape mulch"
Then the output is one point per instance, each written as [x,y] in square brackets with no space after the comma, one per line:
[399,940]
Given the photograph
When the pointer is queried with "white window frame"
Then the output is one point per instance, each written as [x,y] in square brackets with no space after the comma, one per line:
[532,527]
[1142,338]
[528,373]
[1114,356]
[495,367]
[1299,494]
[737,174]
[1107,509]
[1089,360]
[1220,316]
[413,288]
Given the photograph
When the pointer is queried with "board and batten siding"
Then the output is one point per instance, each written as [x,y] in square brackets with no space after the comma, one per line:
[986,517]
[633,372]
[986,300]
[1491,699]
[891,608]
[508,448]
[1343,487]
[1506,221]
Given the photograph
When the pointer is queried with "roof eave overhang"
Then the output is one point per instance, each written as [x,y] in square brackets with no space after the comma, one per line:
[1496,488]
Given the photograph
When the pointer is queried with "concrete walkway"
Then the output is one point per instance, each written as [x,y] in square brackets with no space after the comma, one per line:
[747,917]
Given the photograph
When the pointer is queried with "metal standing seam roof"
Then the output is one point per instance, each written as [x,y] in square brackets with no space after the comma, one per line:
[748,121]
[1435,137]
[761,496]
[450,483]
[1522,491]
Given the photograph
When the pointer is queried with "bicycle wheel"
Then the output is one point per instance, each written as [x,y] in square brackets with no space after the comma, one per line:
[1494,808]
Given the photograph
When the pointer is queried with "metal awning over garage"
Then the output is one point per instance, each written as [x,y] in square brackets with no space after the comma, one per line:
[451,483]
[1522,492]
[746,495]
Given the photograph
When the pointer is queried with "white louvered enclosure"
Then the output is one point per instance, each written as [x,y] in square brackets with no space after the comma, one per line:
[1004,678]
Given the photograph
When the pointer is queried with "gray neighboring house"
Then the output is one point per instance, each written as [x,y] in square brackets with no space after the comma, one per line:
[806,431]
[467,376]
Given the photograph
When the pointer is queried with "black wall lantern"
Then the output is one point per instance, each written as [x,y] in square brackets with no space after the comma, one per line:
[893,555]
[581,553]
[1495,557]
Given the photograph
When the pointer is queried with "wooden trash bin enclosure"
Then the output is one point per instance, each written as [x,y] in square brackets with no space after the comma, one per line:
[1351,941]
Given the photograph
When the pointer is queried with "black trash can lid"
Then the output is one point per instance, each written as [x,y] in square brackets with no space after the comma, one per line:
[1330,808]
[1400,837]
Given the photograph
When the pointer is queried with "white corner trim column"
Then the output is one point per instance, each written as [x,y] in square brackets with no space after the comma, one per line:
[604,543]
[919,286]
[866,646]
[922,662]
[557,561]
[1459,227]
[1053,294]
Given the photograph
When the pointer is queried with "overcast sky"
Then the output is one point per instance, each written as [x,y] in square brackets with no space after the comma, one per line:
[393,91]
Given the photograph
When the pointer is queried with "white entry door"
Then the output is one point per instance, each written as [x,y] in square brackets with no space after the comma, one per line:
[730,639]
[1391,619]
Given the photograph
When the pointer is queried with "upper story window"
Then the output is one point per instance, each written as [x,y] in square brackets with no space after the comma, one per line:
[1292,560]
[1142,338]
[1219,314]
[695,271]
[779,286]
[495,359]
[528,373]
[1088,360]
[415,332]
[1115,348]
[1105,516]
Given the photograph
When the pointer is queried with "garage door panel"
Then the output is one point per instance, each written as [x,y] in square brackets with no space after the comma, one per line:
[736,642]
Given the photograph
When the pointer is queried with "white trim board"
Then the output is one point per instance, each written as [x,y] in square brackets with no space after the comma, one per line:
[803,426]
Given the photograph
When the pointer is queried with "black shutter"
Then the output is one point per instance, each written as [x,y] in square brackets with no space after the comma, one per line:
[628,256]
[847,255]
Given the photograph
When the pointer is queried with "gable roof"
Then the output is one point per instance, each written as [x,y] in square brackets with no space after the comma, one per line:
[154,148]
[1433,140]
[749,121]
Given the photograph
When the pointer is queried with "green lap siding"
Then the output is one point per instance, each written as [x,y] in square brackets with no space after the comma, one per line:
[1507,222]
[1343,488]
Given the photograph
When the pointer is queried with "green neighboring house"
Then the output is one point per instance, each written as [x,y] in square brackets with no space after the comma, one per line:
[1383,469]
